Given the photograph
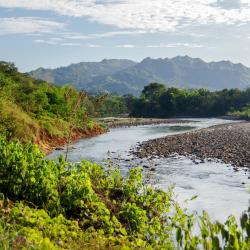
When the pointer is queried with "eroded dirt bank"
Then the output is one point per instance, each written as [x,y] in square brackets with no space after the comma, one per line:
[48,144]
[229,143]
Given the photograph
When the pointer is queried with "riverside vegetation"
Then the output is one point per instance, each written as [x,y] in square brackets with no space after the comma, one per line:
[34,110]
[54,204]
[47,204]
[158,101]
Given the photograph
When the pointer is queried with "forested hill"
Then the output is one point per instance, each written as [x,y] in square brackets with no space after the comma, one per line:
[124,76]
[82,74]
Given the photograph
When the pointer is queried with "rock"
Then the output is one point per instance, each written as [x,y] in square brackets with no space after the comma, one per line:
[218,143]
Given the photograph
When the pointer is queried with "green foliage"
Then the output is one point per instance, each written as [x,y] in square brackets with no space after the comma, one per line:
[16,123]
[244,114]
[216,235]
[32,109]
[103,202]
[113,105]
[47,204]
[156,101]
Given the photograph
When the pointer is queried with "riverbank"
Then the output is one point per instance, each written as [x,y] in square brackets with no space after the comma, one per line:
[229,143]
[48,144]
[113,122]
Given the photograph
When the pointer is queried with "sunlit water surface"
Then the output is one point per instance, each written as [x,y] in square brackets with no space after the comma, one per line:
[221,190]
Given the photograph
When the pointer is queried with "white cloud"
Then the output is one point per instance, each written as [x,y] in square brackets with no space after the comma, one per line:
[58,41]
[70,44]
[174,45]
[26,25]
[147,15]
[93,46]
[45,41]
[162,45]
[125,46]
[39,41]
[78,36]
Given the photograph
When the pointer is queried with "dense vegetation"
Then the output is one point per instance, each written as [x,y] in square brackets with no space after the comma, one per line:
[46,204]
[53,204]
[158,101]
[33,109]
[243,114]
[113,105]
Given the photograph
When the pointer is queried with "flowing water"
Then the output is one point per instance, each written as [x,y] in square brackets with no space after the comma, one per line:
[221,190]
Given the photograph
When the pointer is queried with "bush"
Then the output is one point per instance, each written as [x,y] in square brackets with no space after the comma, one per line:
[32,110]
[244,114]
[49,204]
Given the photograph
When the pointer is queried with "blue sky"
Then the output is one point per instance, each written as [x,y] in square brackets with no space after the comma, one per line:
[52,33]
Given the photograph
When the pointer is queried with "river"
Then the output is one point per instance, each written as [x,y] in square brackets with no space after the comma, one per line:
[221,190]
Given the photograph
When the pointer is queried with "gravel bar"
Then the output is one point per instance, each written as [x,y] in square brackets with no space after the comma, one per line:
[229,143]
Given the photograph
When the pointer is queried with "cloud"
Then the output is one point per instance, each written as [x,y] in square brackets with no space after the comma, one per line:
[174,45]
[146,15]
[162,45]
[45,41]
[125,46]
[93,46]
[70,44]
[26,25]
[59,41]
[78,36]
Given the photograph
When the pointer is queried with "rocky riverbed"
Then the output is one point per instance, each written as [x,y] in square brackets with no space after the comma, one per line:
[229,143]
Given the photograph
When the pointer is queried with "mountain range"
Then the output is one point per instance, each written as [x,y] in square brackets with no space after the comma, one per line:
[126,76]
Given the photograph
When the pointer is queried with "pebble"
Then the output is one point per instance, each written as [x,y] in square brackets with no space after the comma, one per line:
[218,143]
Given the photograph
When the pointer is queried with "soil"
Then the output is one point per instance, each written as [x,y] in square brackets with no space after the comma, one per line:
[48,144]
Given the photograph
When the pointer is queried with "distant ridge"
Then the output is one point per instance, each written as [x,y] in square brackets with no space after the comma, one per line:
[126,76]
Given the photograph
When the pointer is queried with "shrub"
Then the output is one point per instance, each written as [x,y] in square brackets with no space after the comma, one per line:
[49,204]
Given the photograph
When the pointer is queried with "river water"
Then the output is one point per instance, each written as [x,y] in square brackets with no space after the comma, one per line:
[221,190]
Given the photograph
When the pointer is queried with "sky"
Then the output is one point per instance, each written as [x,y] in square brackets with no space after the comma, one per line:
[53,33]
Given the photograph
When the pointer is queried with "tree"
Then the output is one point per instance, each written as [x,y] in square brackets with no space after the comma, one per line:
[153,91]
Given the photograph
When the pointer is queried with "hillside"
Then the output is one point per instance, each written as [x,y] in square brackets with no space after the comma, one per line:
[81,74]
[34,110]
[124,76]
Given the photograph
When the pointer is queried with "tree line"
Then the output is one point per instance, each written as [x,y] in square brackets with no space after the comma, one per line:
[158,101]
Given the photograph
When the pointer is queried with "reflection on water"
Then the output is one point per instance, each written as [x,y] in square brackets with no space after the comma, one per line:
[220,190]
